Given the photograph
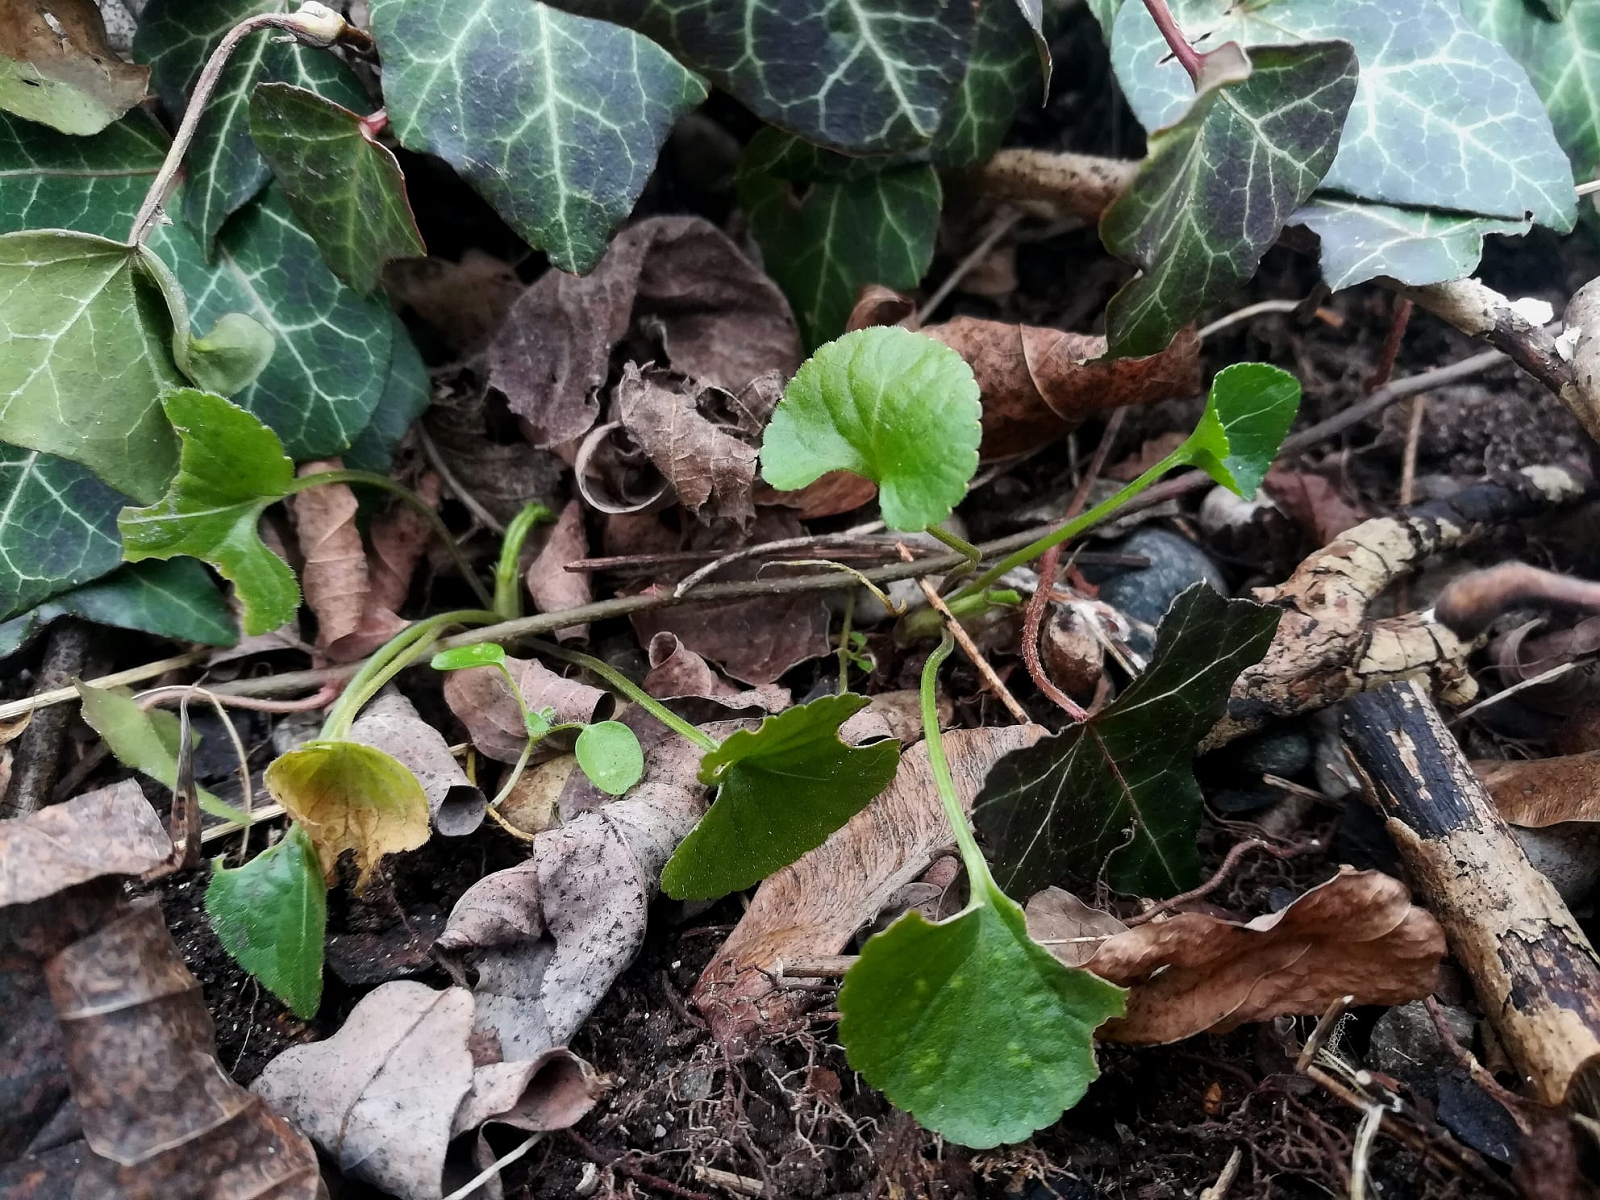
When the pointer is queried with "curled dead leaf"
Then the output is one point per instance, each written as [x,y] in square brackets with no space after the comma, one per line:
[109,831]
[391,724]
[56,68]
[482,699]
[552,586]
[680,675]
[399,537]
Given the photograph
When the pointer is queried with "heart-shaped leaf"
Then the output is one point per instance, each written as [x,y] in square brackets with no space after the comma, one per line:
[56,68]
[1248,410]
[782,789]
[176,37]
[58,527]
[1417,246]
[1442,118]
[270,914]
[560,136]
[608,752]
[971,1026]
[350,797]
[1219,184]
[868,76]
[175,600]
[1120,786]
[230,469]
[896,407]
[340,181]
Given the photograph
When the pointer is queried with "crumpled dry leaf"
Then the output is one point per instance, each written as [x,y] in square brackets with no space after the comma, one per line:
[482,699]
[160,1114]
[711,471]
[679,675]
[552,586]
[56,68]
[399,536]
[1039,384]
[814,906]
[391,724]
[387,1093]
[836,492]
[465,301]
[681,283]
[1356,935]
[479,445]
[548,937]
[1314,503]
[1535,793]
[109,831]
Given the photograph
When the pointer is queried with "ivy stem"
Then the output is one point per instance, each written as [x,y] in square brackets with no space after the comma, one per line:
[631,690]
[507,578]
[394,656]
[971,857]
[372,479]
[1181,49]
[313,24]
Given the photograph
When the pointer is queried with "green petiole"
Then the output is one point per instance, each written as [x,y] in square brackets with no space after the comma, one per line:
[631,690]
[398,653]
[971,857]
[507,579]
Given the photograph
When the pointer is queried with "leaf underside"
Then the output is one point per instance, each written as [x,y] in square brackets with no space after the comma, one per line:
[1416,246]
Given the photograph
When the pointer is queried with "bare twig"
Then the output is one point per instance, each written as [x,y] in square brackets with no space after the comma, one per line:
[969,648]
[1259,308]
[472,504]
[689,581]
[1391,344]
[38,748]
[1001,226]
[1218,879]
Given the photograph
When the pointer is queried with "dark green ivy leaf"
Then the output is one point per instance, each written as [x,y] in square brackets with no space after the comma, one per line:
[406,396]
[867,76]
[556,120]
[58,527]
[341,182]
[90,184]
[1000,78]
[1218,186]
[176,37]
[1121,786]
[270,914]
[781,790]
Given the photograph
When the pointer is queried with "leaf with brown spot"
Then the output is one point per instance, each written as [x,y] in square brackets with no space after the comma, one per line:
[1356,935]
[482,699]
[1039,384]
[1535,793]
[711,471]
[552,586]
[681,283]
[350,797]
[55,67]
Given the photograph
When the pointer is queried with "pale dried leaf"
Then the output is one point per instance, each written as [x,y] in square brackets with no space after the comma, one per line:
[391,724]
[1068,927]
[399,537]
[334,577]
[482,699]
[680,675]
[711,471]
[109,831]
[552,586]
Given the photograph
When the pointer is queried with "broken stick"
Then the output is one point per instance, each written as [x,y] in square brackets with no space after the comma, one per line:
[1536,975]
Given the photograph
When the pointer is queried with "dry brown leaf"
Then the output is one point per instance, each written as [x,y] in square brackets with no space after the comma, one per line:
[1038,384]
[1356,935]
[465,301]
[533,803]
[1069,928]
[387,1093]
[391,724]
[479,445]
[814,906]
[552,586]
[836,492]
[482,699]
[399,537]
[55,66]
[160,1114]
[110,831]
[1314,502]
[754,641]
[680,675]
[678,281]
[1544,791]
[711,471]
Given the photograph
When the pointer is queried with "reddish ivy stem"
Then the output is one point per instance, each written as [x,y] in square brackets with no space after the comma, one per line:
[1181,49]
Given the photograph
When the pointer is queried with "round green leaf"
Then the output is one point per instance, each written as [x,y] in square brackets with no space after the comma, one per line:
[1249,409]
[610,756]
[482,654]
[894,406]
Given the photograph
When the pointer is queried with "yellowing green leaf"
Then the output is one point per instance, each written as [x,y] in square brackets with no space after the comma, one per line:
[231,468]
[350,797]
[55,67]
[270,914]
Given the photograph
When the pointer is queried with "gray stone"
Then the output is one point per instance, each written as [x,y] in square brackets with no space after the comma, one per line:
[1406,1045]
[1284,751]
[1145,593]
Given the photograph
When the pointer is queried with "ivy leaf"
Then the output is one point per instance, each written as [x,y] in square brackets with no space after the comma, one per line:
[608,752]
[56,68]
[176,37]
[1417,246]
[875,227]
[970,1025]
[270,914]
[1218,186]
[555,120]
[896,407]
[350,797]
[58,527]
[1559,47]
[1248,410]
[1442,118]
[90,184]
[998,80]
[781,790]
[870,76]
[1120,786]
[174,600]
[230,469]
[406,395]
[345,187]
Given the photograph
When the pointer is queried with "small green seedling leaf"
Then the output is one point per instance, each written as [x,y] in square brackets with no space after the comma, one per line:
[270,914]
[971,1026]
[344,186]
[894,406]
[230,469]
[479,654]
[782,789]
[1121,786]
[147,741]
[609,754]
[1249,409]
[350,797]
